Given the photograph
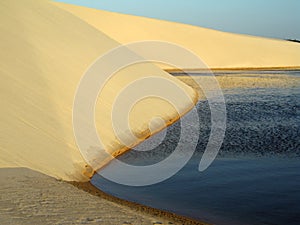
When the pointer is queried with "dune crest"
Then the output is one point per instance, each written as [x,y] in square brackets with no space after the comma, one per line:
[44,53]
[217,49]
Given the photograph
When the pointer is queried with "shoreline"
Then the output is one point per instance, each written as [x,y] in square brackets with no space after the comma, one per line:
[171,71]
[165,215]
[88,187]
[26,194]
[30,197]
[146,135]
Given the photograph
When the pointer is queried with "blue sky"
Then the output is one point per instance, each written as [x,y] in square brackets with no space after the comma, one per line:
[269,18]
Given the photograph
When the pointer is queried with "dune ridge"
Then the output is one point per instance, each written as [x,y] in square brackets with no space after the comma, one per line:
[216,48]
[45,51]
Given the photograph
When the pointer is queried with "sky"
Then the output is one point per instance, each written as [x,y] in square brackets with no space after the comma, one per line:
[267,18]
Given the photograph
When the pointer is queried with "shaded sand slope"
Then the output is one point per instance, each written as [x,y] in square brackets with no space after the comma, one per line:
[217,49]
[29,197]
[44,52]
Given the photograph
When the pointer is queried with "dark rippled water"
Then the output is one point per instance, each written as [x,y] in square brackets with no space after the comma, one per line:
[256,176]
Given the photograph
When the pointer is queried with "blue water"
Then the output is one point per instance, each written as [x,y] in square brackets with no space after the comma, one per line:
[254,180]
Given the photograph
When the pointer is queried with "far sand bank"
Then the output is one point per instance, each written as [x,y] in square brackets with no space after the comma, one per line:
[245,80]
[233,69]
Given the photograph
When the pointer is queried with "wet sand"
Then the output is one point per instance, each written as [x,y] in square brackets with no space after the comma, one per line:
[29,197]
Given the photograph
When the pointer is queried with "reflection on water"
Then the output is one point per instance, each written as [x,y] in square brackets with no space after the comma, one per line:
[256,178]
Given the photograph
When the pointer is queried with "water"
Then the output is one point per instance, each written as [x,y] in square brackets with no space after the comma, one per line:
[254,180]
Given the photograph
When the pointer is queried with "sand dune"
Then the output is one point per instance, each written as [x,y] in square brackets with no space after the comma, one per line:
[217,49]
[44,53]
[46,47]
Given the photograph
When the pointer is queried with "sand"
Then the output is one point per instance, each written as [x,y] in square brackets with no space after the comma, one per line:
[217,49]
[46,49]
[44,53]
[245,81]
[29,197]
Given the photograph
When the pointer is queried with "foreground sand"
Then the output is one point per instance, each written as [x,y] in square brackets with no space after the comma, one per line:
[29,197]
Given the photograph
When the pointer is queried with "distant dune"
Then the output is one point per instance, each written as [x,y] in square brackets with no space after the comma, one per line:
[217,49]
[44,53]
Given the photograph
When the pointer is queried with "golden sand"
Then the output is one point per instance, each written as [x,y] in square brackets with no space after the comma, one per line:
[48,46]
[217,49]
[44,53]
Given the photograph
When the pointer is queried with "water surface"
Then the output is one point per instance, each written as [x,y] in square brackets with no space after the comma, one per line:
[256,177]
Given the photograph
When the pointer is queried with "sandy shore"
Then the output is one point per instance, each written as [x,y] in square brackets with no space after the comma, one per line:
[245,81]
[46,49]
[29,197]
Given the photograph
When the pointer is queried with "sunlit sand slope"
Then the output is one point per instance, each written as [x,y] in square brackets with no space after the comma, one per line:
[217,49]
[44,53]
